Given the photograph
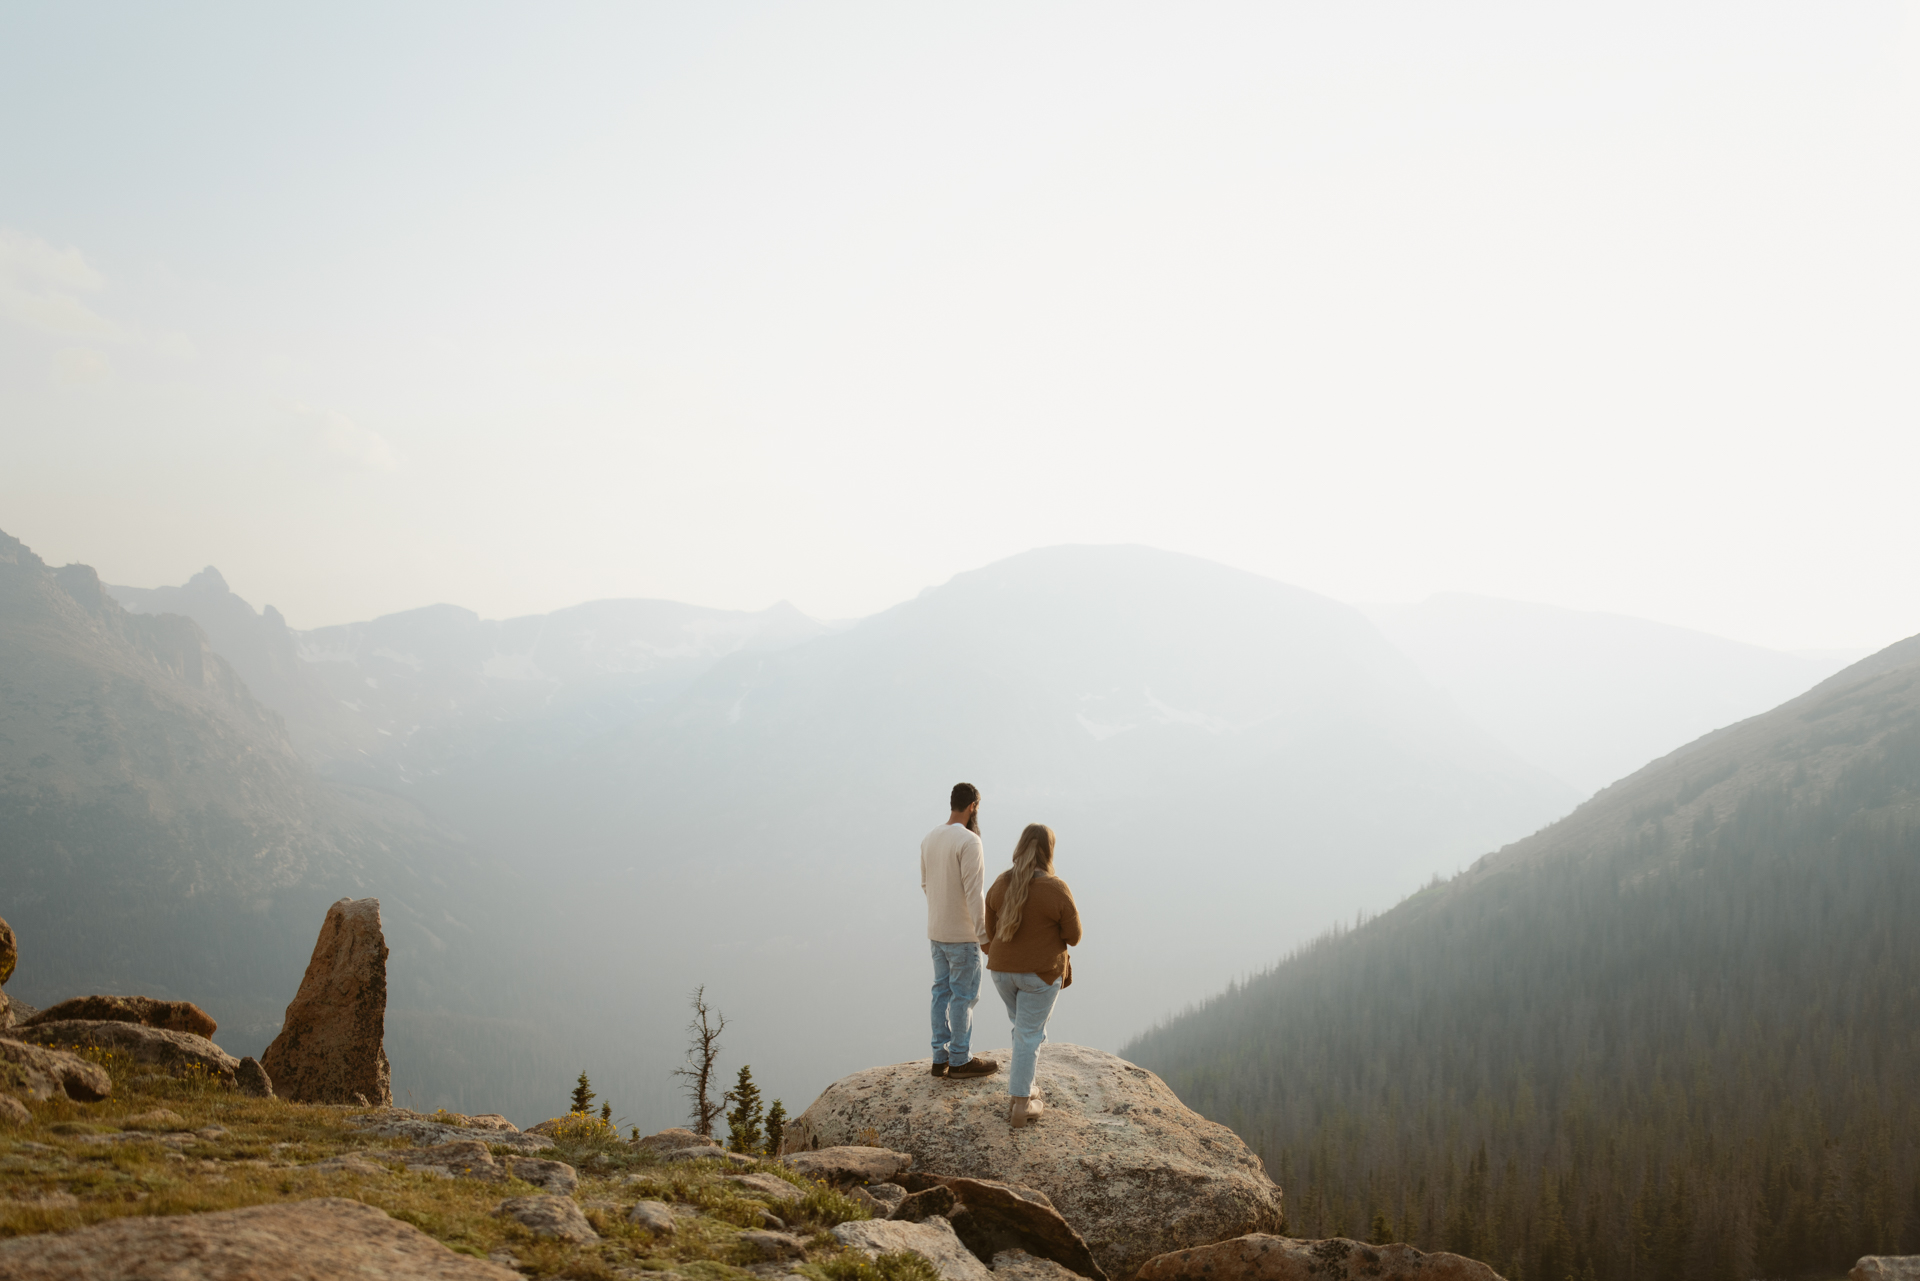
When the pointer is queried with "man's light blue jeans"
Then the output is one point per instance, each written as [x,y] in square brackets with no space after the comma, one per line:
[956,990]
[1029,1001]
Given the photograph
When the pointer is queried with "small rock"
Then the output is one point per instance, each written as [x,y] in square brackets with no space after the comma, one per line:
[1257,1257]
[1886,1267]
[175,1016]
[772,1221]
[887,1195]
[665,1141]
[40,1073]
[654,1216]
[850,1164]
[772,1246]
[1018,1265]
[768,1185]
[715,1153]
[925,1204]
[933,1240]
[492,1121]
[350,1163]
[158,1119]
[548,1216]
[551,1176]
[398,1123]
[465,1158]
[13,1111]
[330,1046]
[252,1079]
[325,1237]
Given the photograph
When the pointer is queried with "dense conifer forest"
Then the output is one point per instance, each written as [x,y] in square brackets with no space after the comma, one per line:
[1675,1036]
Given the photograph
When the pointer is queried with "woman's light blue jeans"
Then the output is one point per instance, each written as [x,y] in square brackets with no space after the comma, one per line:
[1029,1001]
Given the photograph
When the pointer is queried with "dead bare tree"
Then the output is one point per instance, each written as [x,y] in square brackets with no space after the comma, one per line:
[702,1053]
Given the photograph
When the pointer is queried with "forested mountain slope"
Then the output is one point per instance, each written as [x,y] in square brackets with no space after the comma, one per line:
[160,836]
[1676,1034]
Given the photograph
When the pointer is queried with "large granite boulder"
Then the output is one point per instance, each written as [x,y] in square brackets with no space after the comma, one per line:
[1135,1171]
[331,1047]
[297,1240]
[1886,1267]
[35,1072]
[175,1016]
[1266,1258]
[175,1053]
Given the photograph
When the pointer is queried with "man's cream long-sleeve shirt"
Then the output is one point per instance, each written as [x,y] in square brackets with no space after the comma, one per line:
[953,872]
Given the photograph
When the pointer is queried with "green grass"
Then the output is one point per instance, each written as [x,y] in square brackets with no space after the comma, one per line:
[262,1157]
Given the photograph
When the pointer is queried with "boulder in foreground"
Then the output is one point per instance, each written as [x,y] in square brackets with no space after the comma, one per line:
[1135,1171]
[1886,1267]
[331,1046]
[1265,1258]
[36,1072]
[298,1241]
[175,1016]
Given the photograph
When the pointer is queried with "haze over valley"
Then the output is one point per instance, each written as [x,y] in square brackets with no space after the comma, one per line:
[514,521]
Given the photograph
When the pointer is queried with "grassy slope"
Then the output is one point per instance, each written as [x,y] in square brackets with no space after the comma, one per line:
[52,1179]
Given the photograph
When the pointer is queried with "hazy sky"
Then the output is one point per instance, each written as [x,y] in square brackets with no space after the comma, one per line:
[1611,306]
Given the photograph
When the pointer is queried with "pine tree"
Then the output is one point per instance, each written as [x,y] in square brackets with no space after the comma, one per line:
[1382,1231]
[582,1095]
[606,1112]
[776,1127]
[743,1123]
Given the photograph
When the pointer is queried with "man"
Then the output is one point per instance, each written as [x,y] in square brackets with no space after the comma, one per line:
[953,871]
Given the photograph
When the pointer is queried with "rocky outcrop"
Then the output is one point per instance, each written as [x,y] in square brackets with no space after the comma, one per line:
[9,950]
[330,1049]
[548,1216]
[400,1123]
[654,1216]
[850,1164]
[327,1237]
[991,1217]
[471,1159]
[1132,1169]
[1886,1267]
[13,1111]
[933,1240]
[1268,1258]
[175,1016]
[174,1053]
[36,1072]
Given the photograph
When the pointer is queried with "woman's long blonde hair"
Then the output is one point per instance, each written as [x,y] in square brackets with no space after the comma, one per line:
[1032,857]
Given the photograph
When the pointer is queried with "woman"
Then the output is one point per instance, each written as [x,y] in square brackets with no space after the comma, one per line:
[1032,921]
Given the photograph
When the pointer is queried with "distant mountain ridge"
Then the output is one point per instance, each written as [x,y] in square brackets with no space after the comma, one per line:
[1589,697]
[1674,1035]
[753,787]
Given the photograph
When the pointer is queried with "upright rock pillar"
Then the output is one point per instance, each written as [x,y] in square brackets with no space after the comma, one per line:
[330,1048]
[9,953]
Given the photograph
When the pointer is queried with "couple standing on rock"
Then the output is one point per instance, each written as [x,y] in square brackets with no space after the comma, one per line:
[1025,923]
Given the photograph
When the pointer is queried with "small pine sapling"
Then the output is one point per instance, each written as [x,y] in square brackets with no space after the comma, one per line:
[776,1127]
[582,1095]
[606,1111]
[743,1123]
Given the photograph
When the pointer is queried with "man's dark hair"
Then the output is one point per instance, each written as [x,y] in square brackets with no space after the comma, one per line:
[964,794]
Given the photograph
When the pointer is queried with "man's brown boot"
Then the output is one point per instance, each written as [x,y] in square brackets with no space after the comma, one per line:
[972,1067]
[939,1069]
